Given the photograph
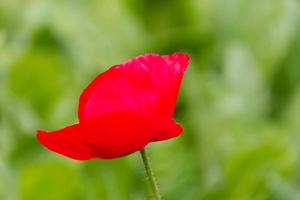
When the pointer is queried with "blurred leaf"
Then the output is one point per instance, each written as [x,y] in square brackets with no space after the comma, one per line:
[38,78]
[50,180]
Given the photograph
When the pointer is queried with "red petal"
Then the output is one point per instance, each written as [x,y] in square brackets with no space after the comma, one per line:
[147,84]
[66,142]
[110,136]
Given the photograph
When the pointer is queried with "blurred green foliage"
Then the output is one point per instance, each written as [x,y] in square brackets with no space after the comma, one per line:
[239,103]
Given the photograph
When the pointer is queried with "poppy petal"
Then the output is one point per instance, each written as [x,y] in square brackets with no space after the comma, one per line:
[121,133]
[110,136]
[147,84]
[66,142]
[170,130]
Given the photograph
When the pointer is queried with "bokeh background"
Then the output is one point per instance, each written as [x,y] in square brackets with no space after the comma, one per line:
[239,102]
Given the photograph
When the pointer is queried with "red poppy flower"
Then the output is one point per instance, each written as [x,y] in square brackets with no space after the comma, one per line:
[123,109]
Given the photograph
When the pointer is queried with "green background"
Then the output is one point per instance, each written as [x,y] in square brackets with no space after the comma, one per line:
[239,102]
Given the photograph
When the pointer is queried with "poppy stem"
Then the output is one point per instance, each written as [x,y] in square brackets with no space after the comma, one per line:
[150,174]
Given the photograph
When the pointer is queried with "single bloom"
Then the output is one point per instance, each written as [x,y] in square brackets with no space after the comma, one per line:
[123,109]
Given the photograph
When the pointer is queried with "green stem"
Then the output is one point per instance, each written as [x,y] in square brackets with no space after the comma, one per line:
[150,174]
